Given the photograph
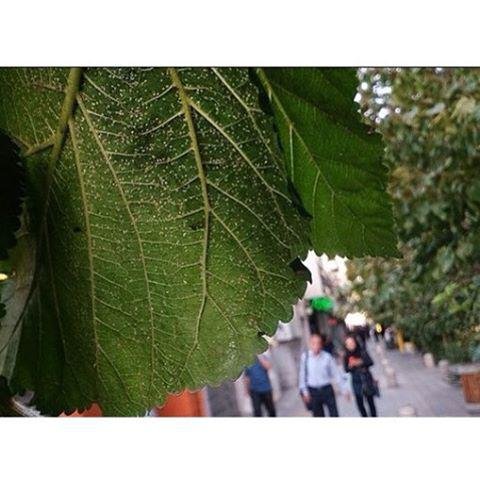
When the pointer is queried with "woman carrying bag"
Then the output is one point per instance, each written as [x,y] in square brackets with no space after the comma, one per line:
[357,361]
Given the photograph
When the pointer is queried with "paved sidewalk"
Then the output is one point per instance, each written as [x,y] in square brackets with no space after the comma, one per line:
[418,386]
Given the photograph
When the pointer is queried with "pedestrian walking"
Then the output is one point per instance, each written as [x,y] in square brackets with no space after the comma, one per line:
[389,338]
[259,387]
[318,371]
[357,362]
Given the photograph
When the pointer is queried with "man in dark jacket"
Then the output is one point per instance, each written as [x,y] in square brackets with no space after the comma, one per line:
[357,362]
[259,386]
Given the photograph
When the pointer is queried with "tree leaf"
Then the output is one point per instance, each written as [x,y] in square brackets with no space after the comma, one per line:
[333,159]
[163,226]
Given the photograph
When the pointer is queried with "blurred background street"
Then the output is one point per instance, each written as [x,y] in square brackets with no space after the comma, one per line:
[420,390]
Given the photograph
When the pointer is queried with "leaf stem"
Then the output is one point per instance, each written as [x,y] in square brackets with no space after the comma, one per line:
[73,86]
[71,90]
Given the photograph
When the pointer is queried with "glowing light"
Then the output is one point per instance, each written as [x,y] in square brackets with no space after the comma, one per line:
[355,319]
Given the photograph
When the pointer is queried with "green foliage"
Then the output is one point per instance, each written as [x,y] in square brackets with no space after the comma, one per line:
[333,160]
[432,135]
[163,227]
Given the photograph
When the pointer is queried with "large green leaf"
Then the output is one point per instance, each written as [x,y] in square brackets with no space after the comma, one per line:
[163,227]
[333,159]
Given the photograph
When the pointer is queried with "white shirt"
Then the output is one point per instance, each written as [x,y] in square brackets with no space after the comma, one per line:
[321,371]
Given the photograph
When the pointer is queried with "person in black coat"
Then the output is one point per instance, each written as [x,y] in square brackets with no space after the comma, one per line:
[357,361]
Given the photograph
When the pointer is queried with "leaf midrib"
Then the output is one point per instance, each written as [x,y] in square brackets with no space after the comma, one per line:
[186,108]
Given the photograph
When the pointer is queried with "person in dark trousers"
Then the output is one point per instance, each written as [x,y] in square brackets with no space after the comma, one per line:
[317,372]
[259,386]
[328,345]
[357,362]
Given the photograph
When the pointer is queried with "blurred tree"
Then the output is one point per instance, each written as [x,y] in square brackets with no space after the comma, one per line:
[429,118]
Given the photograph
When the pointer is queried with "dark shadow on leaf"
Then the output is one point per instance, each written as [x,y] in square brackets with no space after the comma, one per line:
[12,191]
[300,269]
